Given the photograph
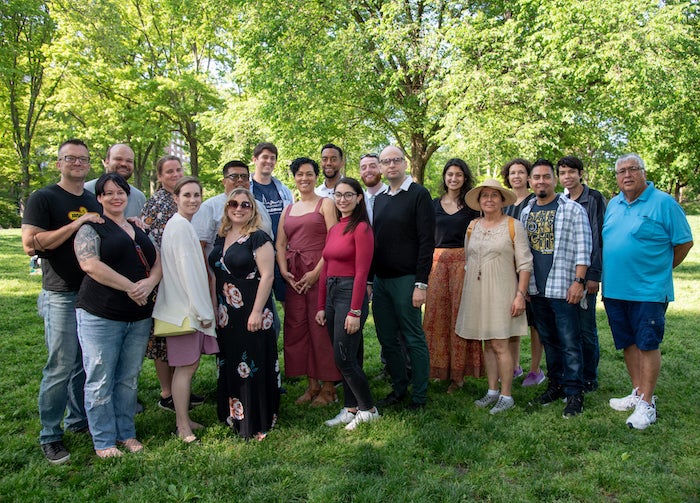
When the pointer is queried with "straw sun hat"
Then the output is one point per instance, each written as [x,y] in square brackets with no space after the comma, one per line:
[472,197]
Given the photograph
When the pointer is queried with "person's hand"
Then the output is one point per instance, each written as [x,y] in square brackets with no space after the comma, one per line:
[575,293]
[289,278]
[138,293]
[419,297]
[137,222]
[254,322]
[308,280]
[517,308]
[206,324]
[91,216]
[352,324]
[592,286]
[321,318]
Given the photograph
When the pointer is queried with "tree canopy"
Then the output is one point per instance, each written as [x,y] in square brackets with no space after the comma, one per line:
[485,81]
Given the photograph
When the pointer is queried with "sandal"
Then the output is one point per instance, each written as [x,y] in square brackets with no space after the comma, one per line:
[109,452]
[132,444]
[309,395]
[325,397]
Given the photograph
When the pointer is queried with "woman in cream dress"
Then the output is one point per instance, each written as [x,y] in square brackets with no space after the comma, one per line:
[499,264]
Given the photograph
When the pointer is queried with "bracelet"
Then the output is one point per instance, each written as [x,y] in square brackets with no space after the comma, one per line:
[354,313]
[420,286]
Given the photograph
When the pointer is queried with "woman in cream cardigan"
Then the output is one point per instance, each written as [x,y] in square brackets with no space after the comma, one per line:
[184,292]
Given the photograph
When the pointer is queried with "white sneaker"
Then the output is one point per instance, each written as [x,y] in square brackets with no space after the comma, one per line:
[504,403]
[644,414]
[628,402]
[362,416]
[487,400]
[343,417]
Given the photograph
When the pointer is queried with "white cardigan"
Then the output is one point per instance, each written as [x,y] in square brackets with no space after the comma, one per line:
[184,289]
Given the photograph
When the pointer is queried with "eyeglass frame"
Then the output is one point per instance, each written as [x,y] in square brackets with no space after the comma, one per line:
[347,196]
[630,169]
[238,176]
[391,160]
[70,159]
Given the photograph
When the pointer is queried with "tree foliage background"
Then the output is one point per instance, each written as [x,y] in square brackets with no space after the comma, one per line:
[485,81]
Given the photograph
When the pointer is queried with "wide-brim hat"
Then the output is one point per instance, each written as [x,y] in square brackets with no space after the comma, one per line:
[472,197]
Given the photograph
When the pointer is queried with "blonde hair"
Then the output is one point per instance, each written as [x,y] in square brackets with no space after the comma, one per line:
[253,222]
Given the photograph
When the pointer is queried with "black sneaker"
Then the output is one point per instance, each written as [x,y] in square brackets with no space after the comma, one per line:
[574,406]
[590,387]
[195,400]
[55,452]
[392,399]
[552,394]
[167,403]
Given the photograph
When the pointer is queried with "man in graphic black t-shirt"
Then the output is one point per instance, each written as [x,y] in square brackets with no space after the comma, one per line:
[52,217]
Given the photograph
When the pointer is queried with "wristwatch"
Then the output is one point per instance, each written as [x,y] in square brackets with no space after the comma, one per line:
[421,286]
[580,280]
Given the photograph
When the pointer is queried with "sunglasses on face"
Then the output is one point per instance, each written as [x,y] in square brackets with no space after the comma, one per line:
[245,205]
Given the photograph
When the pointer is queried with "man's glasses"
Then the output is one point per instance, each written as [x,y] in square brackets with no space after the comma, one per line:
[344,195]
[393,160]
[234,177]
[71,159]
[245,205]
[631,170]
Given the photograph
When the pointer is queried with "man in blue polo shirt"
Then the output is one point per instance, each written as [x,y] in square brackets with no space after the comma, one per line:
[646,235]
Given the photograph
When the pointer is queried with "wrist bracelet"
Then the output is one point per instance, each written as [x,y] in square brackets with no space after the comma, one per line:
[354,313]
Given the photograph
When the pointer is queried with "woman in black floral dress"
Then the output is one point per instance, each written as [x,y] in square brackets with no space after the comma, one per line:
[243,263]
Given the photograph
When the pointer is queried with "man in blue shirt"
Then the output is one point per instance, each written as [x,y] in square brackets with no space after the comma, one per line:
[560,240]
[646,235]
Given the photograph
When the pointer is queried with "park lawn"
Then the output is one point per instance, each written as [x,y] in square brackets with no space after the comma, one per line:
[451,451]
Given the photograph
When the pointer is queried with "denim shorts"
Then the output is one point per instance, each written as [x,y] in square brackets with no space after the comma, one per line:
[638,323]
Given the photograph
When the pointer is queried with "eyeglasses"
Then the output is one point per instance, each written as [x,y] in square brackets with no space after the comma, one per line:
[70,159]
[234,177]
[373,156]
[388,162]
[631,170]
[344,195]
[245,205]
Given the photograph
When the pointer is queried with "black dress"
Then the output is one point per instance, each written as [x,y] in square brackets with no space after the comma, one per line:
[249,374]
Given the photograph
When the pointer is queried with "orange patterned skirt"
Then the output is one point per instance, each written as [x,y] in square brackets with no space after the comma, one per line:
[451,357]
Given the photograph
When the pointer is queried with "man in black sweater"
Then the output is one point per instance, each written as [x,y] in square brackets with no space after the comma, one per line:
[404,239]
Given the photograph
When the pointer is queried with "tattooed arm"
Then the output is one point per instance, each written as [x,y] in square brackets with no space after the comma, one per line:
[87,251]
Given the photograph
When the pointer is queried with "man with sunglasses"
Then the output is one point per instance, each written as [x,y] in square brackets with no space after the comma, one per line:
[208,219]
[51,219]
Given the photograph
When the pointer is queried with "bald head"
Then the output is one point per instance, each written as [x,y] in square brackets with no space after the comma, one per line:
[393,165]
[120,159]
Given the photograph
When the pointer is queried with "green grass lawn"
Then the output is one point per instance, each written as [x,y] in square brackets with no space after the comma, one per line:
[449,452]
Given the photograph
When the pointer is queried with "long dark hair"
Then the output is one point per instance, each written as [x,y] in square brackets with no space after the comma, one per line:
[359,214]
[468,178]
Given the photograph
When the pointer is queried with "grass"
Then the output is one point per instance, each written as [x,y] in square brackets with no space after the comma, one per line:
[451,451]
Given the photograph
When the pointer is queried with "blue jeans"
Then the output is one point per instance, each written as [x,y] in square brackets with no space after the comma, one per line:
[63,376]
[395,316]
[589,341]
[113,352]
[557,322]
[348,349]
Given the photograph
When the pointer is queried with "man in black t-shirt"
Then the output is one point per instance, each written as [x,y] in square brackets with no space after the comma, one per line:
[52,217]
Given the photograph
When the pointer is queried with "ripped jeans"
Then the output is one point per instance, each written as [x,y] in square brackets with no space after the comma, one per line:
[347,348]
[113,353]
